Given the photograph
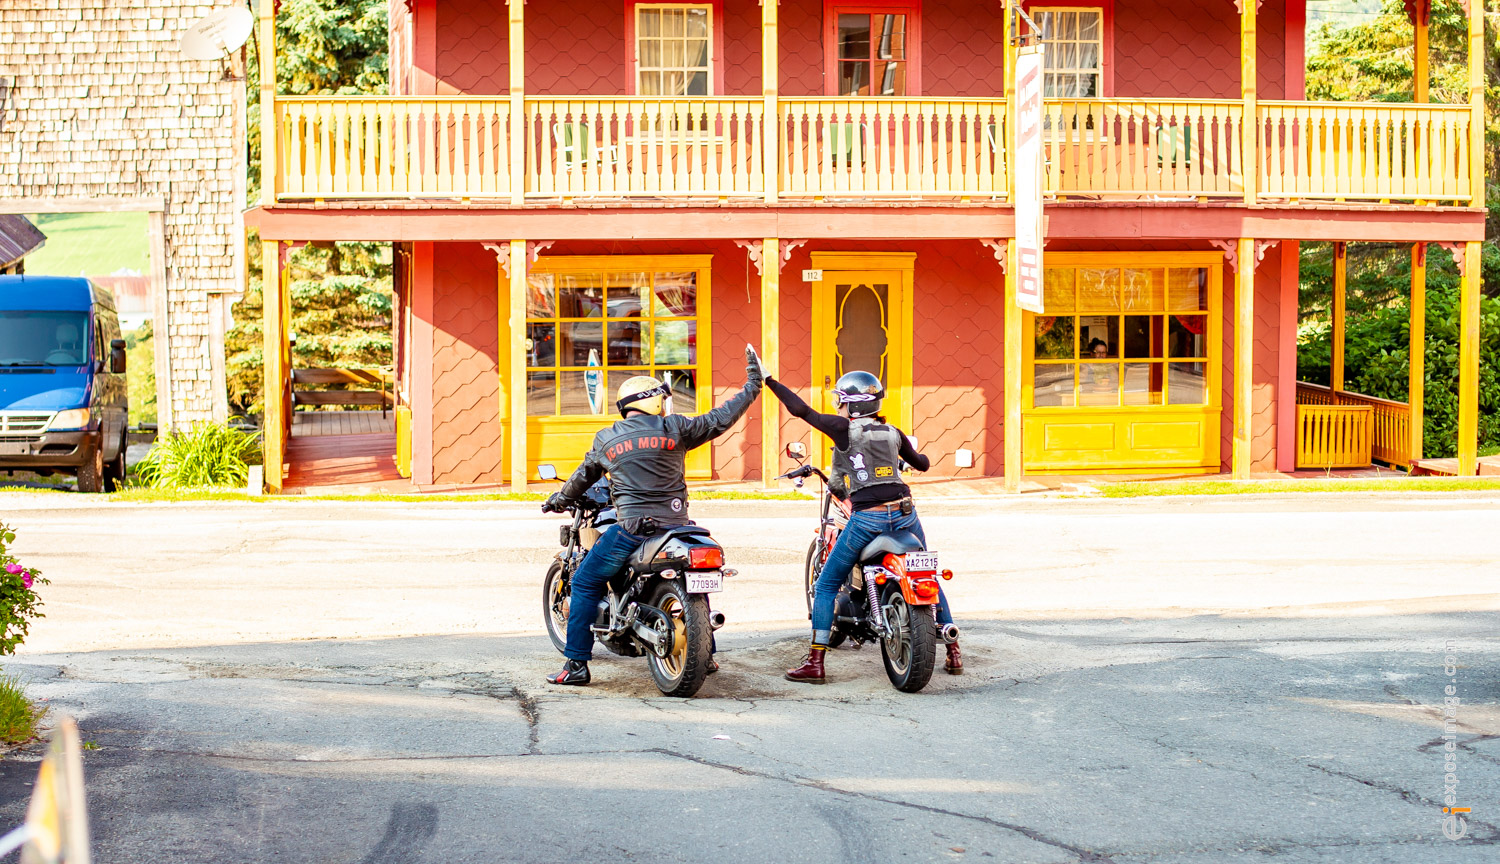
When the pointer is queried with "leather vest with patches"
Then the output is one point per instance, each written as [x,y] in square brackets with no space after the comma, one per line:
[873,457]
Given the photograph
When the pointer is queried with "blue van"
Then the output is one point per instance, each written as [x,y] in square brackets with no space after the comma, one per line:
[63,402]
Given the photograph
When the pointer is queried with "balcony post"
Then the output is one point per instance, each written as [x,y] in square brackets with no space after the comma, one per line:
[1417,348]
[1250,123]
[516,41]
[770,135]
[520,264]
[266,55]
[770,354]
[1014,339]
[1244,356]
[1420,53]
[273,332]
[1340,297]
[1476,101]
[1010,104]
[1468,358]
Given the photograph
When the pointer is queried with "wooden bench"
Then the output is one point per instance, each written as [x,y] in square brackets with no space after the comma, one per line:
[380,377]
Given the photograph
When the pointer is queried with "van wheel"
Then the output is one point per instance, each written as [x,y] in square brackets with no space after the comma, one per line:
[91,472]
[114,470]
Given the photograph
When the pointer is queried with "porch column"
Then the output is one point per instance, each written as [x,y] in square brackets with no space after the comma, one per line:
[1014,336]
[517,44]
[516,349]
[1420,52]
[1468,358]
[770,135]
[1249,127]
[1417,349]
[273,382]
[1340,298]
[770,354]
[266,49]
[1244,360]
[1476,100]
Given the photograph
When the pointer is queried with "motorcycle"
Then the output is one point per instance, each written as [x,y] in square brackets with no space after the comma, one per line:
[657,608]
[890,596]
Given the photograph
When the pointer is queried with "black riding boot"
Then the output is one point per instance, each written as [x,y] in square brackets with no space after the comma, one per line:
[573,672]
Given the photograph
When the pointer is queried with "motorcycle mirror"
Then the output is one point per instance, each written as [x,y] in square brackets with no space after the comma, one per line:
[797,450]
[546,472]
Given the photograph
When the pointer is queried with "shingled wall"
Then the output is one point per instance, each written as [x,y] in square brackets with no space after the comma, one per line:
[104,106]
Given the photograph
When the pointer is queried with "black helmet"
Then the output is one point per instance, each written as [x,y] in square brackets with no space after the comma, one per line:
[861,391]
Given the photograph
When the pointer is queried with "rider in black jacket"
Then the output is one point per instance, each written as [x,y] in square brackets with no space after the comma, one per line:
[644,455]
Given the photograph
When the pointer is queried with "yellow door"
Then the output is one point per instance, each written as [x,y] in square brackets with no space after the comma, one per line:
[862,321]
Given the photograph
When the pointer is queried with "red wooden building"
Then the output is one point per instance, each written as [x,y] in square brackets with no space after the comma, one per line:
[579,191]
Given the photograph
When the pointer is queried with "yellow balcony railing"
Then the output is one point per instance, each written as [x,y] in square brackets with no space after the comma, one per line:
[392,147]
[1144,148]
[1333,436]
[868,148]
[624,147]
[621,147]
[1390,431]
[1364,151]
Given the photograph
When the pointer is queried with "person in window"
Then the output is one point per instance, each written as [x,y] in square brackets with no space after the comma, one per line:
[648,481]
[867,452]
[1099,377]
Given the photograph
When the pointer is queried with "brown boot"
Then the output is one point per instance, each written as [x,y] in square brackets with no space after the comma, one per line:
[811,670]
[955,664]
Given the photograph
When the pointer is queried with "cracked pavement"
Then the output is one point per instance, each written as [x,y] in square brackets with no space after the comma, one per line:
[327,682]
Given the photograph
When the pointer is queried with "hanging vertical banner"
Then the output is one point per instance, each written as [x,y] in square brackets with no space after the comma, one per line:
[1028,168]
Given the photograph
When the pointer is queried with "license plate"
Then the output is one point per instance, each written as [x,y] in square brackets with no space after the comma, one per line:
[14,448]
[705,582]
[921,562]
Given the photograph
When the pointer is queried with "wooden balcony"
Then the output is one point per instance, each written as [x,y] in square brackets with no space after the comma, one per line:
[464,147]
[1341,429]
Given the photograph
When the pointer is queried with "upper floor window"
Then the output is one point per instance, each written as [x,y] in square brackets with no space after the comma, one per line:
[674,49]
[873,50]
[1073,39]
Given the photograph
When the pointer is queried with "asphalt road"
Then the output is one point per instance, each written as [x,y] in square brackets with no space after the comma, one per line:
[1219,680]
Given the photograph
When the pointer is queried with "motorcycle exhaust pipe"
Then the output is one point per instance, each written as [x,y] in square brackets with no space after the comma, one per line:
[949,632]
[715,620]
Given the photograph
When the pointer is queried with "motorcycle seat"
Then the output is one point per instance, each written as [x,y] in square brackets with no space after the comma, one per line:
[651,547]
[889,544]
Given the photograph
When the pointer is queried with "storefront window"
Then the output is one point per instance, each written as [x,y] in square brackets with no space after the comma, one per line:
[587,331]
[1121,337]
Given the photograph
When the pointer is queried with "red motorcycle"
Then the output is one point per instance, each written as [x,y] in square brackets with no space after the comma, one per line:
[890,596]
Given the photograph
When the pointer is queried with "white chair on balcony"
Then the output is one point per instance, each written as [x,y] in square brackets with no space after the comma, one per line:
[574,142]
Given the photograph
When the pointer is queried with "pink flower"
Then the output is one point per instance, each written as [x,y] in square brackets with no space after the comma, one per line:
[26,579]
[13,569]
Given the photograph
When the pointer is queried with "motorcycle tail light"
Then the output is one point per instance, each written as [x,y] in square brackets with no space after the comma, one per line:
[925,590]
[705,558]
[947,574]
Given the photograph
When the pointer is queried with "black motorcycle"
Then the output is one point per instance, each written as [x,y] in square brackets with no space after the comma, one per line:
[889,597]
[658,608]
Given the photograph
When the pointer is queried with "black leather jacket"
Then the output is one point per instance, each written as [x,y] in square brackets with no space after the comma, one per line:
[645,455]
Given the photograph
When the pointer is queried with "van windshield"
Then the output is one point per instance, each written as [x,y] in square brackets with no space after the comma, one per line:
[44,338]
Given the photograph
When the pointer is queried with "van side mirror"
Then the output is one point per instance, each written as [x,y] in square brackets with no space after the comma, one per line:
[117,356]
[797,450]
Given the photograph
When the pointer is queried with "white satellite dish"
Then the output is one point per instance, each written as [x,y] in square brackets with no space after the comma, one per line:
[218,34]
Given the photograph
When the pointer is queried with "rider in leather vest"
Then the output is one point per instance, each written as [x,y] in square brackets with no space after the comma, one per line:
[867,457]
[645,456]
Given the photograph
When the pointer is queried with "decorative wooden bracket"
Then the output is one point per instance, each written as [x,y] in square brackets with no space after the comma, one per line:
[285,248]
[786,250]
[1458,253]
[1239,5]
[756,250]
[1230,248]
[534,248]
[999,248]
[1262,247]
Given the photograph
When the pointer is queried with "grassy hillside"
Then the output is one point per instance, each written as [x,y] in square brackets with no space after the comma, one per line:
[91,244]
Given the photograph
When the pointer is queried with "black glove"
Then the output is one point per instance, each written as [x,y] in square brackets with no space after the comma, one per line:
[752,367]
[555,503]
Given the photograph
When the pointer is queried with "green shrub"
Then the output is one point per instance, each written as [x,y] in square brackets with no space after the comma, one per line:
[18,597]
[207,454]
[18,717]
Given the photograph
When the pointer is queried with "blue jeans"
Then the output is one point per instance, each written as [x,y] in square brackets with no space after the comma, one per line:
[590,583]
[864,526]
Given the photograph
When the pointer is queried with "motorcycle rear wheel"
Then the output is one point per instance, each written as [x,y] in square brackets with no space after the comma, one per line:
[681,673]
[810,578]
[911,652]
[556,596]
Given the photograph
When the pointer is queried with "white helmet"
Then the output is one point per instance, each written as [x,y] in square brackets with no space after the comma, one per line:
[642,393]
